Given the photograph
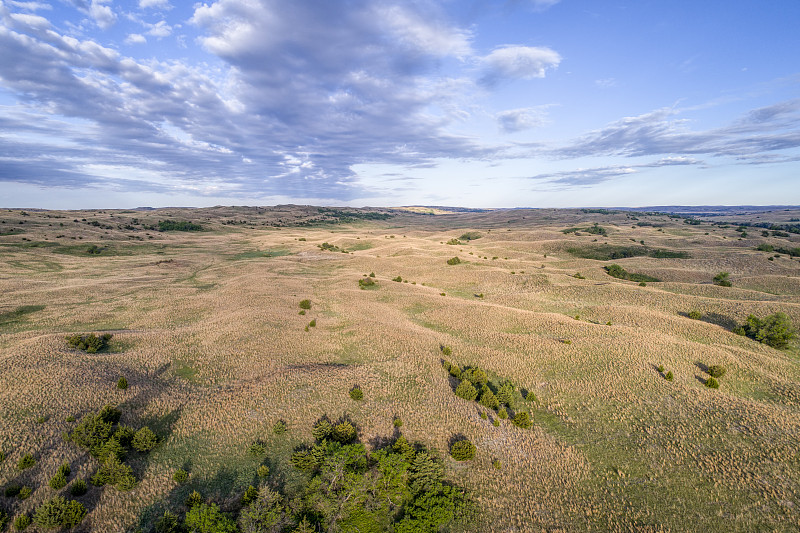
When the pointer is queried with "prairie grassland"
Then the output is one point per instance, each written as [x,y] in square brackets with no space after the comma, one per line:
[207,331]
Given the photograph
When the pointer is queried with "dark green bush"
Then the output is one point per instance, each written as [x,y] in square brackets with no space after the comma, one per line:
[262,471]
[168,523]
[616,271]
[356,393]
[305,304]
[475,375]
[660,368]
[178,225]
[249,495]
[462,450]
[24,493]
[194,499]
[78,488]
[506,394]
[454,242]
[322,430]
[502,413]
[466,390]
[205,518]
[257,449]
[446,350]
[114,472]
[344,432]
[180,476]
[144,440]
[59,513]
[122,383]
[712,383]
[26,461]
[669,376]
[488,398]
[22,522]
[776,330]
[398,279]
[59,481]
[398,423]
[695,315]
[453,261]
[279,428]
[471,236]
[522,420]
[722,280]
[716,371]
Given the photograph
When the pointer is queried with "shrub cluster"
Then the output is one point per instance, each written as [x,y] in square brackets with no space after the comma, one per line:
[59,513]
[776,330]
[453,261]
[474,385]
[462,450]
[90,343]
[366,282]
[59,481]
[616,271]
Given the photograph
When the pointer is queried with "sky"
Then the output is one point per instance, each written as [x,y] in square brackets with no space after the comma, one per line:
[474,103]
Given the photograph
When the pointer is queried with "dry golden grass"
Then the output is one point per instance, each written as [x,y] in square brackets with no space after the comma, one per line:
[207,332]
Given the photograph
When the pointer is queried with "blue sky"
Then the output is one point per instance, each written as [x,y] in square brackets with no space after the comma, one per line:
[540,103]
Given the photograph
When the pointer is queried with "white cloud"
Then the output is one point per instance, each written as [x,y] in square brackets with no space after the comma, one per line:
[518,62]
[429,35]
[156,4]
[524,118]
[135,38]
[31,6]
[160,29]
[103,16]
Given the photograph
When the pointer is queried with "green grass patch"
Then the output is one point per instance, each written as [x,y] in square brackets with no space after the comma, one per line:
[37,265]
[257,254]
[17,316]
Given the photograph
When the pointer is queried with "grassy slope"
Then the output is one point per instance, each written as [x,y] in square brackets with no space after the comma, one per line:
[215,352]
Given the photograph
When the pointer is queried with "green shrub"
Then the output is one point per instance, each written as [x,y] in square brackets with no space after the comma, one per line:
[344,432]
[695,315]
[506,394]
[669,376]
[59,513]
[302,313]
[356,393]
[398,423]
[22,522]
[177,225]
[453,261]
[114,472]
[531,397]
[180,476]
[24,493]
[144,440]
[78,488]
[466,390]
[716,371]
[446,350]
[502,413]
[279,428]
[475,375]
[522,420]
[453,242]
[484,416]
[59,481]
[313,323]
[365,283]
[496,422]
[124,435]
[89,343]
[263,471]
[497,464]
[204,518]
[616,271]
[471,236]
[398,279]
[122,383]
[722,280]
[462,450]
[168,523]
[322,430]
[26,461]
[257,449]
[776,330]
[195,498]
[712,383]
[488,398]
[305,304]
[249,495]
[660,368]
